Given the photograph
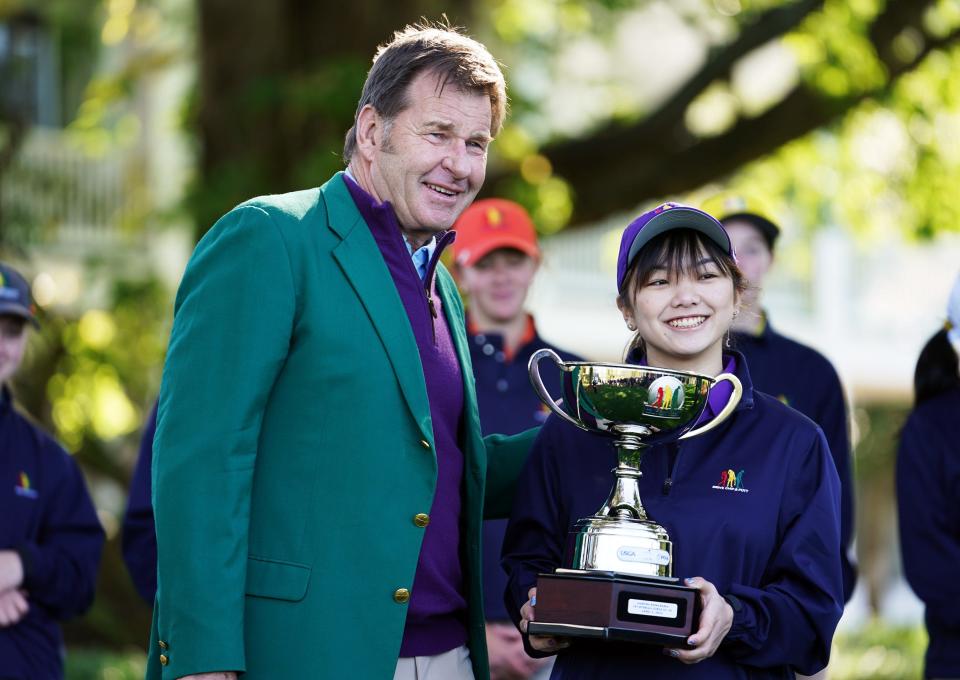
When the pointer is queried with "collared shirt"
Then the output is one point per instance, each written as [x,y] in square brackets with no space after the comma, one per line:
[421,256]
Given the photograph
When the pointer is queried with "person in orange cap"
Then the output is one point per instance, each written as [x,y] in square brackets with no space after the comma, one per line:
[496,258]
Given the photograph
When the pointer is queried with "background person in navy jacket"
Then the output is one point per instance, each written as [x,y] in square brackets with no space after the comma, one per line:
[764,553]
[794,373]
[928,486]
[50,537]
[139,538]
[496,257]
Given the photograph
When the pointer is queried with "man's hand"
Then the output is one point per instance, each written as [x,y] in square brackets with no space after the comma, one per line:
[716,617]
[542,643]
[508,659]
[219,675]
[13,607]
[11,570]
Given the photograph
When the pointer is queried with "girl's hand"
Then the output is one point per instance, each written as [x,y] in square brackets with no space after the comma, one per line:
[716,617]
[541,643]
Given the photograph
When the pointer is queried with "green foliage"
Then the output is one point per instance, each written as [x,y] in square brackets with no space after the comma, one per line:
[94,664]
[879,652]
[887,168]
[99,373]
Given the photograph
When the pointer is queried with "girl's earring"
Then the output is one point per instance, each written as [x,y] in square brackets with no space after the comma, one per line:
[632,326]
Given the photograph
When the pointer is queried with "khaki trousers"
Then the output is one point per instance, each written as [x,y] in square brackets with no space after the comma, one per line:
[452,665]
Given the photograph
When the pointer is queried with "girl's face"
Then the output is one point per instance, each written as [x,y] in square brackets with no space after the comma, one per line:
[683,316]
[13,338]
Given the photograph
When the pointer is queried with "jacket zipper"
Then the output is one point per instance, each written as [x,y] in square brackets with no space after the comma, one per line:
[442,241]
[674,450]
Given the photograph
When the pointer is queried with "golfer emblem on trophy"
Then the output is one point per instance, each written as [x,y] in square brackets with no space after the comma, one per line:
[617,579]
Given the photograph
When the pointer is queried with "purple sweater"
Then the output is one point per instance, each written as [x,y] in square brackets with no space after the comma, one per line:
[436,618]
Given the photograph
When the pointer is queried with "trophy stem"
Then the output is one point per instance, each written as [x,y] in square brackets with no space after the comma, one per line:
[624,500]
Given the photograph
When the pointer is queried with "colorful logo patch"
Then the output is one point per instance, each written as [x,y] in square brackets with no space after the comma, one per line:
[731,481]
[23,488]
[494,218]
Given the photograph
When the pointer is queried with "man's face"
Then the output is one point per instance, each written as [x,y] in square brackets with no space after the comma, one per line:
[13,339]
[497,284]
[753,255]
[432,157]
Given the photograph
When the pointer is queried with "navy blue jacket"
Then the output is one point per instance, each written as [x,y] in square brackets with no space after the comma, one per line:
[773,543]
[804,379]
[508,405]
[928,489]
[139,535]
[48,517]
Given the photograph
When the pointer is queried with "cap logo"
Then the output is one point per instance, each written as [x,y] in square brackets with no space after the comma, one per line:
[494,218]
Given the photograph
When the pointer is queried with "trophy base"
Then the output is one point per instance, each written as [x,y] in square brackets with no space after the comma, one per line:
[611,606]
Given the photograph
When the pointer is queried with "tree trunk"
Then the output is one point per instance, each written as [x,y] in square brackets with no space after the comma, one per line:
[278,87]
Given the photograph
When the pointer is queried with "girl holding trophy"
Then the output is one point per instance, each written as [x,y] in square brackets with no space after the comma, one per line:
[752,505]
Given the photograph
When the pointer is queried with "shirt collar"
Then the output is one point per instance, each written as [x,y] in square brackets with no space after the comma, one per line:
[529,336]
[422,255]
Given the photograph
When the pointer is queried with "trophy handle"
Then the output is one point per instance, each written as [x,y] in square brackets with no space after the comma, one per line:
[541,390]
[726,411]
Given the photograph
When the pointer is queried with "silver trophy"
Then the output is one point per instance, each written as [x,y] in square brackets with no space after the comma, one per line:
[617,579]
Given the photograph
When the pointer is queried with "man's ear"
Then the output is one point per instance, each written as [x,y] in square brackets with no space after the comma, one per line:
[368,130]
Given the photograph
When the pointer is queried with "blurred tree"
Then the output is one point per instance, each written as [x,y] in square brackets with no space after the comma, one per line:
[279,83]
[278,86]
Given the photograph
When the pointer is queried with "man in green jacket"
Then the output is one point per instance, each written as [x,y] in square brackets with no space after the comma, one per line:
[319,472]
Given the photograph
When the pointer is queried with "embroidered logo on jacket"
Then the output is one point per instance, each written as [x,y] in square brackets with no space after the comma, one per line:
[731,481]
[23,488]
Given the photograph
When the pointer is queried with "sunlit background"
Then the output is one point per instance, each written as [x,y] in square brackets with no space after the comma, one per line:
[117,152]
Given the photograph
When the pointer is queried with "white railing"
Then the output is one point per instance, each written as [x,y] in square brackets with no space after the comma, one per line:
[57,192]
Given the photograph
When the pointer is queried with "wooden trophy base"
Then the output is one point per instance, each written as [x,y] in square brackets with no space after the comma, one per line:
[607,605]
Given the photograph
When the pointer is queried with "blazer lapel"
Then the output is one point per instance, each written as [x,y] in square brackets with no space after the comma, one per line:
[363,265]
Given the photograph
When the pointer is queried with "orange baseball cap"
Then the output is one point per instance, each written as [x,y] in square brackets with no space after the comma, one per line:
[490,224]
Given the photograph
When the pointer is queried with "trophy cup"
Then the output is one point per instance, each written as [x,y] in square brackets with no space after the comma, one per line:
[617,581]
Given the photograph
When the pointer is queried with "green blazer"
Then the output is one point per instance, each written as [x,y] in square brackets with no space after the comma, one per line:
[294,449]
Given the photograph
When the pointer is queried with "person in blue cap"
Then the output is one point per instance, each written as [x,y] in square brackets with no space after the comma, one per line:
[496,258]
[798,375]
[763,551]
[50,537]
[928,485]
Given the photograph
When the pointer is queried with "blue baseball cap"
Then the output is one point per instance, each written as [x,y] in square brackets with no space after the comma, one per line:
[659,220]
[15,297]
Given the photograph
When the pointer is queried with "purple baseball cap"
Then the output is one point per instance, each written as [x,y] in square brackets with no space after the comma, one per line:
[664,218]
